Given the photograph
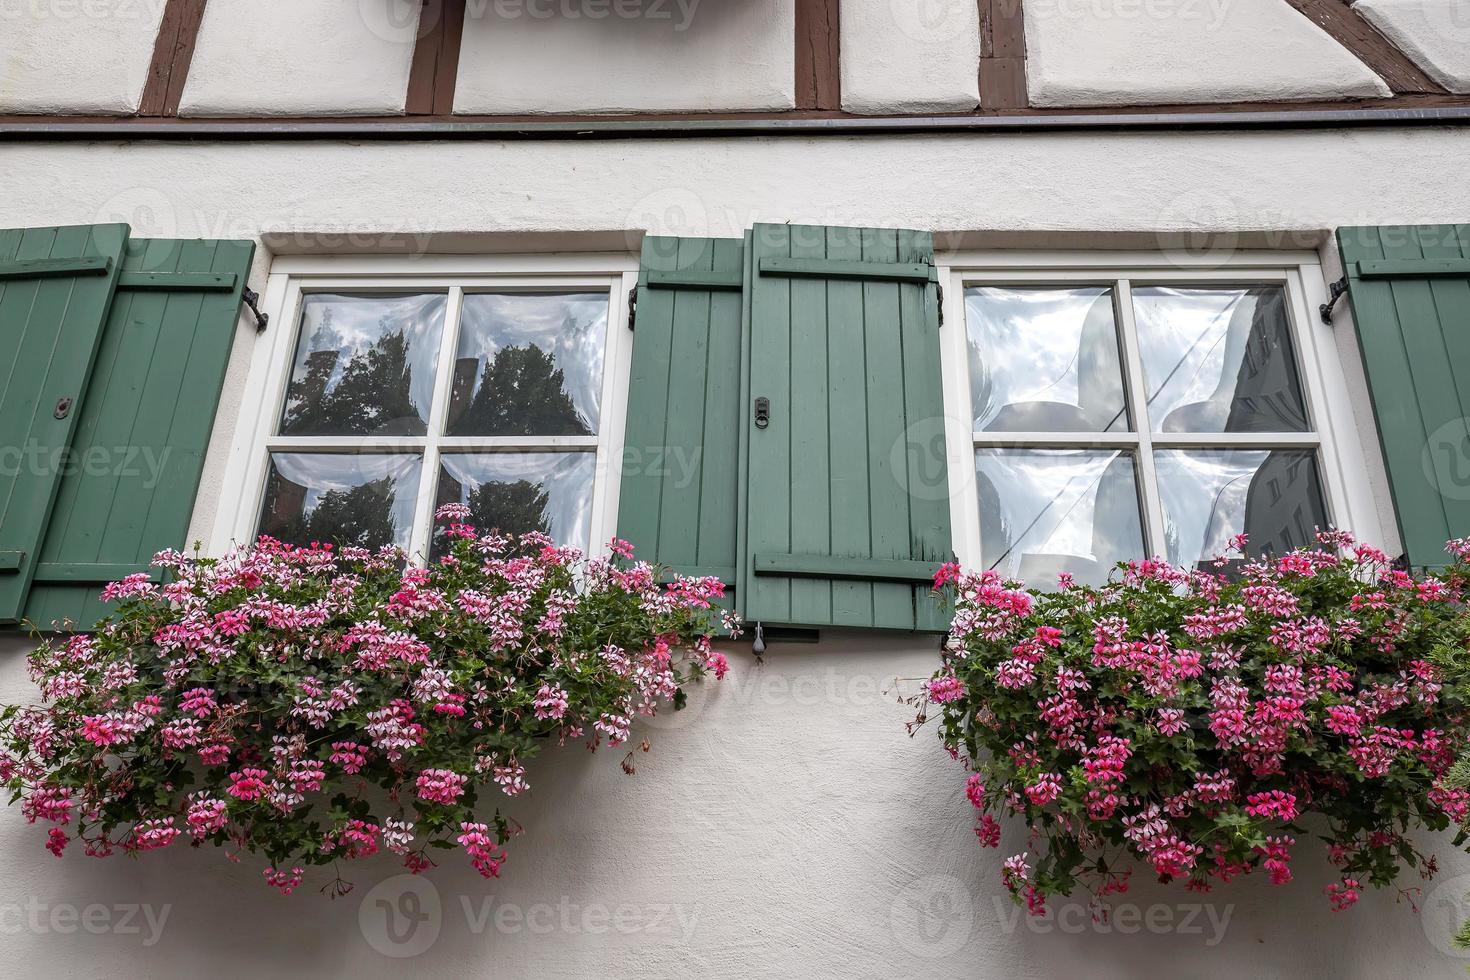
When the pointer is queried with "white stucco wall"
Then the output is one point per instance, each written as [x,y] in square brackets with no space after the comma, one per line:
[75,57]
[787,818]
[1435,33]
[288,57]
[534,56]
[1138,52]
[910,56]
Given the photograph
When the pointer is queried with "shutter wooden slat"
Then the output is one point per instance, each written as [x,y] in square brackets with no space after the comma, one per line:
[1413,321]
[852,601]
[844,343]
[147,424]
[678,499]
[50,330]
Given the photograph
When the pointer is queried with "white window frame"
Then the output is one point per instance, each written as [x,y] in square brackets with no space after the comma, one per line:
[1342,459]
[294,277]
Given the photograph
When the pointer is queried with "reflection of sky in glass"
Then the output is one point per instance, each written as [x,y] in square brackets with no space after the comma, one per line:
[1044,360]
[1207,500]
[319,473]
[1193,343]
[566,478]
[571,329]
[1046,511]
[350,326]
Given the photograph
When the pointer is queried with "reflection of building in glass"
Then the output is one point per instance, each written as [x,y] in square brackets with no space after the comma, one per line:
[370,395]
[1266,396]
[1283,507]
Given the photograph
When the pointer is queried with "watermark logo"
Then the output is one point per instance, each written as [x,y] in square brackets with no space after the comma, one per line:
[1444,910]
[1446,459]
[920,461]
[933,916]
[34,916]
[399,21]
[675,211]
[401,917]
[932,21]
[1207,920]
[147,209]
[1447,19]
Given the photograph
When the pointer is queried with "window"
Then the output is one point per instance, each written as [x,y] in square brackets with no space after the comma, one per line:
[1111,413]
[388,395]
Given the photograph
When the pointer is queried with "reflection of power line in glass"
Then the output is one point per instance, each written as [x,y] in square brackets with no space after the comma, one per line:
[521,392]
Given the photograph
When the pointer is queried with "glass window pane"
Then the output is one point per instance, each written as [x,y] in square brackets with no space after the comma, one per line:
[1211,495]
[1044,360]
[1218,360]
[364,365]
[528,365]
[518,492]
[1048,511]
[344,498]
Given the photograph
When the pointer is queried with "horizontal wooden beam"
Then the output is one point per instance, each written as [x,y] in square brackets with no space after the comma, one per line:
[10,561]
[194,282]
[859,569]
[1413,269]
[89,573]
[55,268]
[695,280]
[837,269]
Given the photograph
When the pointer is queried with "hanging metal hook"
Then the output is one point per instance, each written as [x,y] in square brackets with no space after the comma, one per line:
[1335,290]
[251,299]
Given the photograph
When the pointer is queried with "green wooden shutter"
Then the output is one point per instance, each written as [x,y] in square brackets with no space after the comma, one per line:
[55,288]
[1410,292]
[847,501]
[677,503]
[138,450]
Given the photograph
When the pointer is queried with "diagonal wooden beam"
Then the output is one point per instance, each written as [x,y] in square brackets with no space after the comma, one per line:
[1350,29]
[1002,55]
[435,69]
[818,54]
[173,52]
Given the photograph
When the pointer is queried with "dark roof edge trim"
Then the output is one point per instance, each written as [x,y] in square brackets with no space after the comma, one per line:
[409,129]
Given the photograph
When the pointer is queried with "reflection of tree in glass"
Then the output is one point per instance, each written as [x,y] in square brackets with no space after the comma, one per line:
[508,508]
[522,393]
[369,398]
[360,515]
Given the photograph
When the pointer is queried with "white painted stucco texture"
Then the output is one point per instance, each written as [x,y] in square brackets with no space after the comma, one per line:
[902,56]
[1435,33]
[292,57]
[598,56]
[76,57]
[1141,52]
